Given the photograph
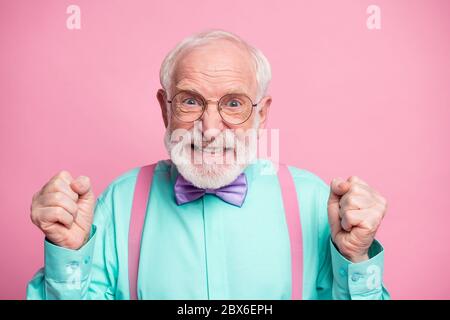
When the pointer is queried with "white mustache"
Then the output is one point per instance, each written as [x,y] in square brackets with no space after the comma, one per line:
[212,147]
[223,141]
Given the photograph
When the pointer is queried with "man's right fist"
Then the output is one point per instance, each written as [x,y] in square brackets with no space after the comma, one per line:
[63,209]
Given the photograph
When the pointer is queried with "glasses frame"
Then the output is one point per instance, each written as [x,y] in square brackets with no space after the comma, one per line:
[206,102]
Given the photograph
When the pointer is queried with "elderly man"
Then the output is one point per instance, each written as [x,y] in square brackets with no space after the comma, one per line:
[212,222]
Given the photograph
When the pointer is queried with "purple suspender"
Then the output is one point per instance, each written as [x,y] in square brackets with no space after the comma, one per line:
[291,209]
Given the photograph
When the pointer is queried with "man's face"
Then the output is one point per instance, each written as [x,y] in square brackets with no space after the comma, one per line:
[213,70]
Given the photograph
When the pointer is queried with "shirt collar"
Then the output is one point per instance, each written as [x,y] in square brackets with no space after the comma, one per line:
[258,167]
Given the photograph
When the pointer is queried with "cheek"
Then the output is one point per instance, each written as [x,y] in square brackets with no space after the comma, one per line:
[178,131]
[246,125]
[176,124]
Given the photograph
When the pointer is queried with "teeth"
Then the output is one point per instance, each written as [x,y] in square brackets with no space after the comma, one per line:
[210,150]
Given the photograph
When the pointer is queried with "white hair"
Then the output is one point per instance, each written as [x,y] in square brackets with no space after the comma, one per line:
[262,65]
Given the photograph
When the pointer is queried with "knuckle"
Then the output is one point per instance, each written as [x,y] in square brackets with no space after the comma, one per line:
[35,195]
[351,201]
[383,207]
[367,225]
[32,207]
[353,179]
[63,173]
[375,220]
[374,227]
[380,215]
[346,214]
[33,218]
[355,188]
[58,214]
[34,200]
[59,184]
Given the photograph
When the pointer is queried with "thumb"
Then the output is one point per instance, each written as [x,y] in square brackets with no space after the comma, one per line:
[82,186]
[339,187]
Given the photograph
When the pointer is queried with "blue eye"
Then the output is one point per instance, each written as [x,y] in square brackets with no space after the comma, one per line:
[233,103]
[190,101]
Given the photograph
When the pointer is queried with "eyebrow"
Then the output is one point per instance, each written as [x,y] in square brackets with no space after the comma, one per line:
[229,91]
[180,88]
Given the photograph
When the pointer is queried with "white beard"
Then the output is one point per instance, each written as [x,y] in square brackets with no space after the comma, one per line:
[206,170]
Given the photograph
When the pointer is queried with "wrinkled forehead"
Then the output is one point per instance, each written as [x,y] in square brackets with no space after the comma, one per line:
[220,64]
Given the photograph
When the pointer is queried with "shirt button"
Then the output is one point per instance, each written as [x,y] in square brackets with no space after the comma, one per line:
[73,264]
[342,272]
[356,277]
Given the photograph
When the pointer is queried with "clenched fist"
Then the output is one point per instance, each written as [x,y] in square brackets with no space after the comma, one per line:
[63,209]
[355,211]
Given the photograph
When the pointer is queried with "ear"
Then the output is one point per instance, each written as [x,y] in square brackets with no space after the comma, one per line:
[161,96]
[264,106]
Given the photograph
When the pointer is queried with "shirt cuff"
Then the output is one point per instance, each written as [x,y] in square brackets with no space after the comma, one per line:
[362,278]
[66,265]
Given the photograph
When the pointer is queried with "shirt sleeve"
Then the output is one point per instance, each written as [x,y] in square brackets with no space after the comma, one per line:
[359,281]
[77,274]
[339,278]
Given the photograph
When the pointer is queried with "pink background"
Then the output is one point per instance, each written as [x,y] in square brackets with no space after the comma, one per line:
[348,101]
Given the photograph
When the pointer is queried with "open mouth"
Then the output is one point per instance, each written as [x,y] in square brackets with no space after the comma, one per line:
[208,149]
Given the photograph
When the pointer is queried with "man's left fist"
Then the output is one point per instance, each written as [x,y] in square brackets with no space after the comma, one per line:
[355,211]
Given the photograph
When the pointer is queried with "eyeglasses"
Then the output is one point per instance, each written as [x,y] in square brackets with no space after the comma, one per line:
[234,108]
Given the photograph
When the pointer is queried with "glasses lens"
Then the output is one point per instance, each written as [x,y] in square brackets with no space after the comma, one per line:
[188,106]
[235,108]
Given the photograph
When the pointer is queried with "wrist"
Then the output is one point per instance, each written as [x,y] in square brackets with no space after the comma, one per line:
[352,255]
[358,258]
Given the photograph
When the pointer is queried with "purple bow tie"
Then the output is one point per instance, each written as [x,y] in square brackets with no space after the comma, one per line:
[233,193]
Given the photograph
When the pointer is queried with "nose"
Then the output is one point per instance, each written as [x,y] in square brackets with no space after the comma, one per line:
[212,123]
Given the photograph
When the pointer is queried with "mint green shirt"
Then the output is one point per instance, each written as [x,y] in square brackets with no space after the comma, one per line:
[209,249]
